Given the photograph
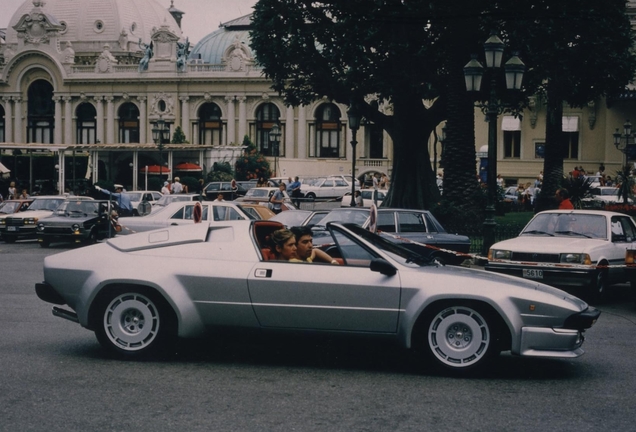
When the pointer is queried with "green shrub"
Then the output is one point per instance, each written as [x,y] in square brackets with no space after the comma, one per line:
[252,164]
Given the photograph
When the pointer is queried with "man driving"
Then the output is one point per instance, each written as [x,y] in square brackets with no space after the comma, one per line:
[305,251]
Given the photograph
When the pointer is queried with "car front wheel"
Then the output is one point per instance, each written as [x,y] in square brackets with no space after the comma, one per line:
[598,287]
[133,324]
[310,196]
[459,338]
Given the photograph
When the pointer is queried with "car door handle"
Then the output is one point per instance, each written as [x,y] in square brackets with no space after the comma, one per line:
[263,273]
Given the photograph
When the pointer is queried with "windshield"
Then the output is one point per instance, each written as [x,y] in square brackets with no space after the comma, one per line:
[78,208]
[257,193]
[45,204]
[167,199]
[396,252]
[292,218]
[567,224]
[357,217]
[9,207]
[134,196]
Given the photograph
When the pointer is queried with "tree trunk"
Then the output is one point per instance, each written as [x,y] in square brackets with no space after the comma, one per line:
[554,152]
[413,183]
[461,188]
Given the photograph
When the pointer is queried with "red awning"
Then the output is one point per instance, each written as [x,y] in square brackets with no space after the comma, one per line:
[187,166]
[154,170]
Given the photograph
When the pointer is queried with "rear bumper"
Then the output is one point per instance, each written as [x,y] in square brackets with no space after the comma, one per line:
[47,293]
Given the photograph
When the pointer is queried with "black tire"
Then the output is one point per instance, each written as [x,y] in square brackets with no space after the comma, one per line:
[132,324]
[45,243]
[598,288]
[458,338]
[9,239]
[92,237]
[310,196]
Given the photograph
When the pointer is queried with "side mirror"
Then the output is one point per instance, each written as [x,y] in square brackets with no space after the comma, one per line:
[382,266]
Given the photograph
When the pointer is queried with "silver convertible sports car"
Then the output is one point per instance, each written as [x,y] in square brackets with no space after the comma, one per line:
[186,281]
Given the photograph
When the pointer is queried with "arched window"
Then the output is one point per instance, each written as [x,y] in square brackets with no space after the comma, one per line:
[86,123]
[210,124]
[128,123]
[328,133]
[267,115]
[41,113]
[2,115]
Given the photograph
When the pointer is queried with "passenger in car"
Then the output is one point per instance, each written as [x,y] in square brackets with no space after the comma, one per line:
[305,251]
[283,245]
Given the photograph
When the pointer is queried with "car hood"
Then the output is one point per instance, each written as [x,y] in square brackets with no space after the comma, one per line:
[31,214]
[541,244]
[492,284]
[68,219]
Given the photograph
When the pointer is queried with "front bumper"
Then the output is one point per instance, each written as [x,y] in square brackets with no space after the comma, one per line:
[23,231]
[557,275]
[558,342]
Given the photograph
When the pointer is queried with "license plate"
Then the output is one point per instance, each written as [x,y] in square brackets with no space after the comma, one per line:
[12,228]
[533,274]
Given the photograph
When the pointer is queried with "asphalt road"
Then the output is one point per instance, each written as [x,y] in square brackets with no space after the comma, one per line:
[55,377]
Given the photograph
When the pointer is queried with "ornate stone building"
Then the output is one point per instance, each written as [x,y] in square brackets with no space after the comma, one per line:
[83,82]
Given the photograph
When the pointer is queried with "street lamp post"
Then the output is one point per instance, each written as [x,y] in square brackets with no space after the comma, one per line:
[354,124]
[274,139]
[473,73]
[624,142]
[160,134]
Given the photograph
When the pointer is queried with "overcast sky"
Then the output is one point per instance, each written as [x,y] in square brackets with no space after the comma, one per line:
[201,17]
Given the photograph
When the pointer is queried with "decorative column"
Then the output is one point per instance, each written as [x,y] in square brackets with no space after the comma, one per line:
[302,132]
[242,126]
[289,132]
[185,117]
[8,115]
[99,127]
[57,133]
[135,172]
[68,120]
[143,122]
[231,121]
[110,120]
[18,120]
[60,171]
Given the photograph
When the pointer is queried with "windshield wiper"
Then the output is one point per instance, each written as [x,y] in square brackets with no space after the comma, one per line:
[573,233]
[538,232]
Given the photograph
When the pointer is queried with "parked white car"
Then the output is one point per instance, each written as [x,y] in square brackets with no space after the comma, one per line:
[181,213]
[137,197]
[326,187]
[570,249]
[605,195]
[367,197]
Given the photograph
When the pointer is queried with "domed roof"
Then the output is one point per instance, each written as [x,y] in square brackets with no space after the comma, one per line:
[100,20]
[212,47]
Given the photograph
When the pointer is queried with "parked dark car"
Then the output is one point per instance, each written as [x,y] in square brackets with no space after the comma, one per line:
[213,189]
[417,230]
[78,221]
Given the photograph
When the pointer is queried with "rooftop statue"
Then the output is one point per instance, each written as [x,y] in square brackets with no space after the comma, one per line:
[182,54]
[143,63]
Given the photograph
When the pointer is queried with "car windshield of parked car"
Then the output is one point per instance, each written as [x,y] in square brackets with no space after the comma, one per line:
[292,218]
[134,196]
[257,193]
[567,224]
[45,204]
[9,207]
[167,199]
[77,208]
[251,212]
[357,217]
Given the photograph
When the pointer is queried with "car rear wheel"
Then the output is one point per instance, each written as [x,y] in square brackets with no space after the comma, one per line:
[133,324]
[459,338]
[310,196]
